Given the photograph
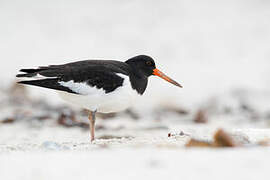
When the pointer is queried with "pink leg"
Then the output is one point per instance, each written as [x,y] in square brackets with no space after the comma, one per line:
[92,119]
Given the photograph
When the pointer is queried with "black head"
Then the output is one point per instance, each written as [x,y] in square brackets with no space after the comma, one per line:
[146,66]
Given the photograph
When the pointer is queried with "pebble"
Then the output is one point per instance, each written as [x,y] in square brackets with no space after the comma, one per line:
[50,145]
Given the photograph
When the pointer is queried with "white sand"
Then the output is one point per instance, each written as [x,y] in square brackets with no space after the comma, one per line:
[65,153]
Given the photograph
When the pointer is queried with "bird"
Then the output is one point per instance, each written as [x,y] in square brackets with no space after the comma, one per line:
[103,86]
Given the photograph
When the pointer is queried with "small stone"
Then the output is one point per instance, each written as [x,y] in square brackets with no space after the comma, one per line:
[50,145]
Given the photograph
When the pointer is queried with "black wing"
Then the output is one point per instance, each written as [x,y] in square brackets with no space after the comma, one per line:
[101,74]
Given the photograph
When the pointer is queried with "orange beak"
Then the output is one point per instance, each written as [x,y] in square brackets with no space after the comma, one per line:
[163,76]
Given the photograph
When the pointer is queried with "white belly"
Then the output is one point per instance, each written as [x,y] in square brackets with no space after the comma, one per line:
[96,99]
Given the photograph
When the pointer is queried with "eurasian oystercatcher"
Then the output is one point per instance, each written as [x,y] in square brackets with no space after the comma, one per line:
[97,85]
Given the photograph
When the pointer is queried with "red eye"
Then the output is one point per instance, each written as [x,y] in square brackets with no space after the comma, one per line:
[149,63]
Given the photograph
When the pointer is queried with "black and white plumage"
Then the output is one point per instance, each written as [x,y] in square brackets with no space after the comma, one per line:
[97,85]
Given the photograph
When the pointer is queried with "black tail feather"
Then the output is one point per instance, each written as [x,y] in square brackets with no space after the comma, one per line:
[31,72]
[26,75]
[41,68]
[47,83]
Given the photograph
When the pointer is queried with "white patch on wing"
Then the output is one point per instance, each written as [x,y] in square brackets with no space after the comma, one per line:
[81,88]
[96,99]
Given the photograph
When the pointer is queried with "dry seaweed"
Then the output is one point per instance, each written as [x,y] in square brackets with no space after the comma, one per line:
[132,114]
[201,117]
[106,115]
[177,110]
[265,142]
[220,139]
[223,139]
[8,120]
[115,137]
[198,143]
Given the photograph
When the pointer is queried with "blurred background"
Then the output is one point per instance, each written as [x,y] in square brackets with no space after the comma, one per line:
[218,50]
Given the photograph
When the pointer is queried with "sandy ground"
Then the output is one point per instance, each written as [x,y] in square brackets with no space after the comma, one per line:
[138,163]
[65,153]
